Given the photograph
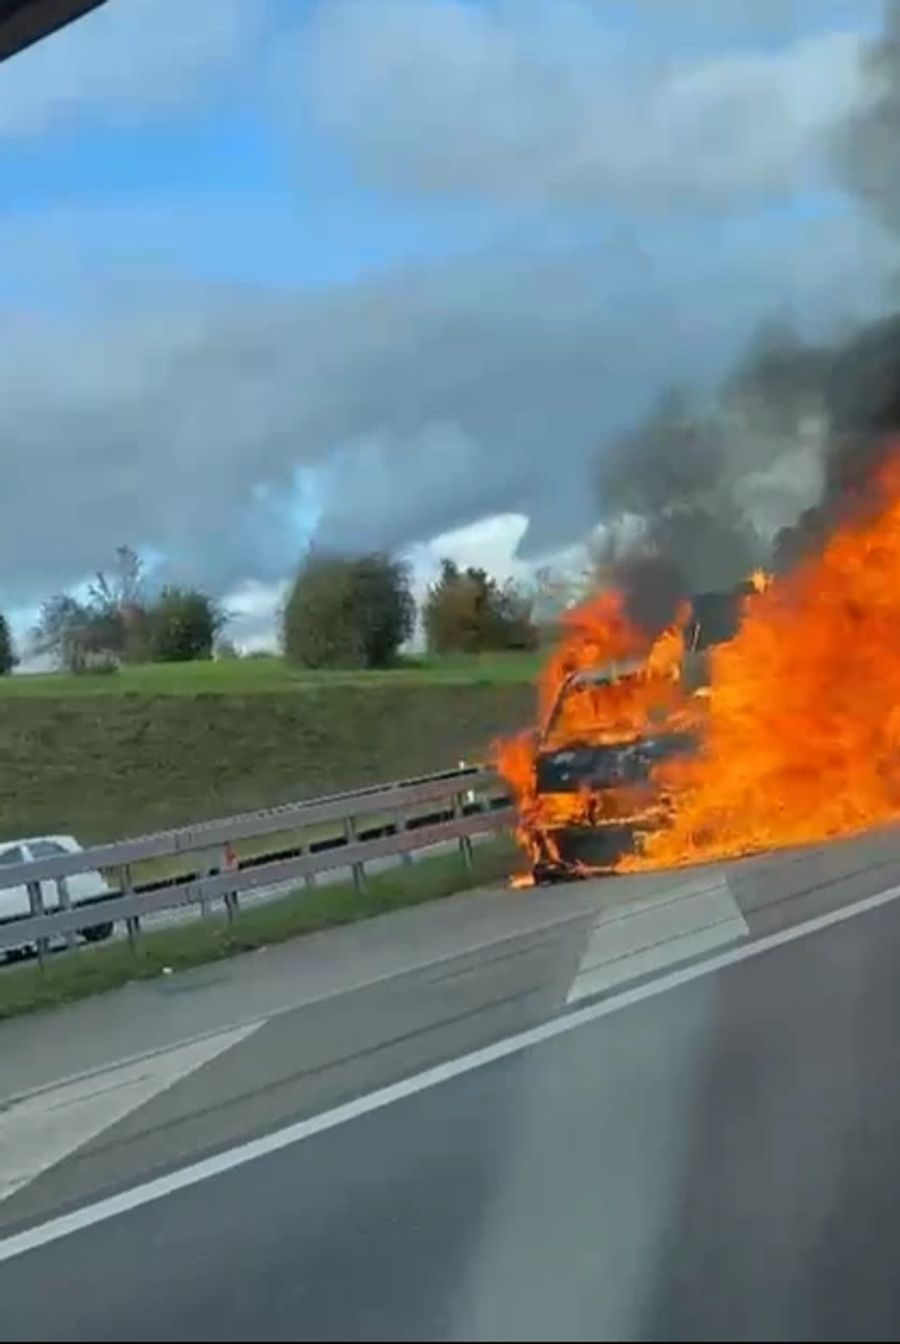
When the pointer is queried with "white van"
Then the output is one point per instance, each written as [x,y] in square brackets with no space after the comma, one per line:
[82,887]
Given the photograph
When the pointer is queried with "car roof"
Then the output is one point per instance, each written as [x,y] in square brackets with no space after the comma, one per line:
[65,840]
[605,672]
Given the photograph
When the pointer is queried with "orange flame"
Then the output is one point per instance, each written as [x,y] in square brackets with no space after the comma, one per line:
[803,732]
[800,722]
[595,634]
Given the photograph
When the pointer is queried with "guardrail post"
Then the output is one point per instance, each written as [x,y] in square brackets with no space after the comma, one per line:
[401,825]
[36,905]
[465,841]
[133,922]
[359,872]
[230,864]
[205,868]
[65,903]
[470,793]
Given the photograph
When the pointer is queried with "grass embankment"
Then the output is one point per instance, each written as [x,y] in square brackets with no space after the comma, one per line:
[268,675]
[95,970]
[152,747]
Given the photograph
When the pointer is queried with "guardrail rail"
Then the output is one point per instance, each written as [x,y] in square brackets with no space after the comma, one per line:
[382,821]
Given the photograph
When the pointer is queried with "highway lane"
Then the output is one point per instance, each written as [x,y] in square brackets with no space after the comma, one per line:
[715,1160]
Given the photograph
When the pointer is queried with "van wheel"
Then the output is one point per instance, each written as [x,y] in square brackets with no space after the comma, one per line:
[97,933]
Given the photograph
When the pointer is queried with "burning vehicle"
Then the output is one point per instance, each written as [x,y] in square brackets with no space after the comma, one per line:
[595,789]
[603,793]
[797,743]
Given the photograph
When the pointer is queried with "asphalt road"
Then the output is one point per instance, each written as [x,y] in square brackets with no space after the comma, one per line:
[716,1160]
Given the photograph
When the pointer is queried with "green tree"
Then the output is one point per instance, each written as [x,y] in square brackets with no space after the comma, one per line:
[8,658]
[348,611]
[467,611]
[182,625]
[111,626]
[117,608]
[64,630]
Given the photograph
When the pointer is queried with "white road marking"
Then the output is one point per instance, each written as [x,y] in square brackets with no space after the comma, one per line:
[138,1195]
[643,937]
[42,1129]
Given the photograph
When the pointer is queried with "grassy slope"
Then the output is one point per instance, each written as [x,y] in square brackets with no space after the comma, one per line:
[270,675]
[94,970]
[150,747]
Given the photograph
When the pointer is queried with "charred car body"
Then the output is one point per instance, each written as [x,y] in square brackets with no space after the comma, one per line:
[597,799]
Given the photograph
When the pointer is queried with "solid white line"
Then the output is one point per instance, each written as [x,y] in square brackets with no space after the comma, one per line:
[139,1195]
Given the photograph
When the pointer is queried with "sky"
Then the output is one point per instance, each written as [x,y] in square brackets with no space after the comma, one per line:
[391,273]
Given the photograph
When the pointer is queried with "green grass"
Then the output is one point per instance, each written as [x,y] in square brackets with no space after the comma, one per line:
[271,675]
[101,767]
[96,970]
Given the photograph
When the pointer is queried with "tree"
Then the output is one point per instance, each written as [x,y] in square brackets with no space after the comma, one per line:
[123,586]
[467,611]
[182,624]
[64,630]
[118,608]
[348,612]
[8,658]
[109,627]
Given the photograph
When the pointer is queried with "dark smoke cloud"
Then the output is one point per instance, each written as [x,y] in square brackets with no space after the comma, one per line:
[677,471]
[675,488]
[680,471]
[867,147]
[861,394]
[862,379]
[652,587]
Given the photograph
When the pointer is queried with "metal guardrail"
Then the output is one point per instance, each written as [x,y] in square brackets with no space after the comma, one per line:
[469,801]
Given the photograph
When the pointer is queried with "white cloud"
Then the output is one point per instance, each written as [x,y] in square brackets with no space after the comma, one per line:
[254,614]
[419,401]
[254,608]
[178,416]
[124,60]
[544,101]
[490,543]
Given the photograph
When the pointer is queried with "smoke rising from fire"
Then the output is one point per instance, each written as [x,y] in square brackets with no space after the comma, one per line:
[867,149]
[702,490]
[862,390]
[698,487]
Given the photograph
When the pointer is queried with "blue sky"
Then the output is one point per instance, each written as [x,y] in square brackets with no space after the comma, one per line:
[233,187]
[416,259]
[223,189]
